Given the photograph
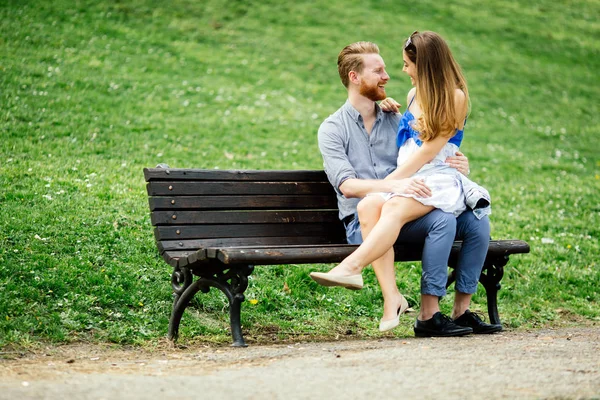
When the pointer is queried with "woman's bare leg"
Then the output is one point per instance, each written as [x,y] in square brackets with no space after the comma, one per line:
[369,212]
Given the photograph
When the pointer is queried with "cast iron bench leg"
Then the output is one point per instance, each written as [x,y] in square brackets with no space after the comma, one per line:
[234,290]
[493,270]
[181,280]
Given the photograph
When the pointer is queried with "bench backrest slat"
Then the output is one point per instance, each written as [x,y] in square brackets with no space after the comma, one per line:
[208,231]
[241,202]
[243,217]
[195,188]
[166,174]
[179,245]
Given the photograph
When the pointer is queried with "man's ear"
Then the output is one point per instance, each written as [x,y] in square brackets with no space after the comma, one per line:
[353,77]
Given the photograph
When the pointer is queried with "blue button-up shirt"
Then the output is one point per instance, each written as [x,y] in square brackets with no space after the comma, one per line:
[350,152]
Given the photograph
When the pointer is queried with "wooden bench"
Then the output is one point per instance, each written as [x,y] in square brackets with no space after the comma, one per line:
[217,225]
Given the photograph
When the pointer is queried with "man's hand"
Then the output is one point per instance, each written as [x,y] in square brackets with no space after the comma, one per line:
[460,162]
[390,105]
[414,186]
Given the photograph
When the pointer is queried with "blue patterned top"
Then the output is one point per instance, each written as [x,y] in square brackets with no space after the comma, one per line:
[406,131]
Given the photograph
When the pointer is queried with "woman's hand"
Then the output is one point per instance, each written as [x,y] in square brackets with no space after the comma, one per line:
[460,162]
[390,105]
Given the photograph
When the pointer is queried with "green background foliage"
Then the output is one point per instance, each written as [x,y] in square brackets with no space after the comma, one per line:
[94,91]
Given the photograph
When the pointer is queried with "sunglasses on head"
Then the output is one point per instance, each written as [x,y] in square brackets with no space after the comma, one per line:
[409,40]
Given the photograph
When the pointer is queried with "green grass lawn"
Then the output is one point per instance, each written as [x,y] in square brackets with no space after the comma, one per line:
[91,92]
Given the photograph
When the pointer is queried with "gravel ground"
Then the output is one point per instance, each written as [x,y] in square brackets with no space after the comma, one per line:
[560,364]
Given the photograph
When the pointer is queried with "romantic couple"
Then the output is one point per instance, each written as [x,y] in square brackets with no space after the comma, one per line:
[402,178]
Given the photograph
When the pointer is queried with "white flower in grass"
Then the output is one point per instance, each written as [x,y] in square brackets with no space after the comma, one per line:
[186,103]
[47,196]
[547,241]
[558,153]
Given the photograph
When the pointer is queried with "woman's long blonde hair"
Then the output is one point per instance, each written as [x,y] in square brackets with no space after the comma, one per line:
[438,77]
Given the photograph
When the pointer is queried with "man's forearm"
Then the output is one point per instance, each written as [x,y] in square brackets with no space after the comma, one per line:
[358,188]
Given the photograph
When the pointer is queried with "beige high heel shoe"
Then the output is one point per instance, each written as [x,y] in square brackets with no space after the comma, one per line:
[394,322]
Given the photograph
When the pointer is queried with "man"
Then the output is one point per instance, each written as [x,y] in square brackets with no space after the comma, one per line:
[358,145]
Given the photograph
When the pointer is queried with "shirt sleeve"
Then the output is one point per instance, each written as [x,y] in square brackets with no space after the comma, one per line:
[333,146]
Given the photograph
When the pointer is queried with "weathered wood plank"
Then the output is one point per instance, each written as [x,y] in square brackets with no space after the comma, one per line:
[235,202]
[178,188]
[507,247]
[168,245]
[207,231]
[153,174]
[183,258]
[243,217]
[335,253]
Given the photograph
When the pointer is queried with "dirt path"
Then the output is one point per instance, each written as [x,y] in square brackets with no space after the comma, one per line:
[561,363]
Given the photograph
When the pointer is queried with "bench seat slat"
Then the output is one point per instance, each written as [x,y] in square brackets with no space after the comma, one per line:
[256,202]
[183,258]
[243,217]
[182,232]
[173,188]
[154,174]
[335,253]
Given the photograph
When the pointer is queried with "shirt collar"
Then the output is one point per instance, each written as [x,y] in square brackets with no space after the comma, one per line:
[355,115]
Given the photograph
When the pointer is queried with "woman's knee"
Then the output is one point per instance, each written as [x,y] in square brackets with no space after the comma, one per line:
[369,209]
[396,208]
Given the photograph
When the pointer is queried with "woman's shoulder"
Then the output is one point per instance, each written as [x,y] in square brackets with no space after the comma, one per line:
[460,103]
[459,96]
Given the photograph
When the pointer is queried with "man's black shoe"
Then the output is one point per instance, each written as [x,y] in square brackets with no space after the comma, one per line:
[472,320]
[440,325]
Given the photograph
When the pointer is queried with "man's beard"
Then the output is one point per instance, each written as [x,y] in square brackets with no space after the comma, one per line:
[373,93]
